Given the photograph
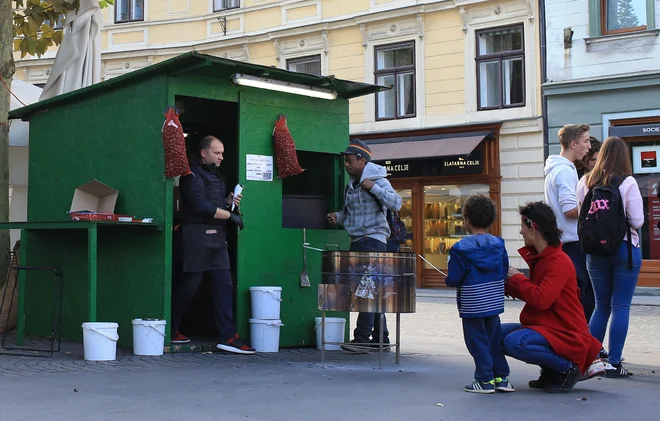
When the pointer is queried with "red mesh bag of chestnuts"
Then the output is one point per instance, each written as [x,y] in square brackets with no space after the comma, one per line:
[285,150]
[174,143]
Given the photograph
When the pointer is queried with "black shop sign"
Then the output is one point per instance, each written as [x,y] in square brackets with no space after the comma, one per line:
[434,167]
[635,131]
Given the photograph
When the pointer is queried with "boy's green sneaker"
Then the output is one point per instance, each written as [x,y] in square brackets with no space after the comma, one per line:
[502,384]
[481,387]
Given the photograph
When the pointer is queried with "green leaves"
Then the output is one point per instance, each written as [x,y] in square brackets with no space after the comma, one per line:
[34,22]
[57,36]
[46,30]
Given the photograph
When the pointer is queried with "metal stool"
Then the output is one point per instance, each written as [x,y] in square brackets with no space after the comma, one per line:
[56,310]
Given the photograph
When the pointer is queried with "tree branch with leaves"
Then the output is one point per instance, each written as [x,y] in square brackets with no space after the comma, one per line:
[31,27]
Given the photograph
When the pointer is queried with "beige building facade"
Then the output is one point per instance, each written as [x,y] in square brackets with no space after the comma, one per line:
[465,76]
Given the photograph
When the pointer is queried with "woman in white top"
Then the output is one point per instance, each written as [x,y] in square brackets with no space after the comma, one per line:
[612,279]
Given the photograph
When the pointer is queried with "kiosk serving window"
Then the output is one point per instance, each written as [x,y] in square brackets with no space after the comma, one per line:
[307,197]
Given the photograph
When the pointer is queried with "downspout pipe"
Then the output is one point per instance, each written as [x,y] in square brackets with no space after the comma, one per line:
[544,78]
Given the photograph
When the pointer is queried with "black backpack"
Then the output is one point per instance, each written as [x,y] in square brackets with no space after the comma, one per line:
[603,223]
[397,227]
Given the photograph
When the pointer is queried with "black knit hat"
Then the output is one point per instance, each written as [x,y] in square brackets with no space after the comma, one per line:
[359,148]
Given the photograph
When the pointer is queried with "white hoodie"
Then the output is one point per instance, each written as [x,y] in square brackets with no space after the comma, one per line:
[561,182]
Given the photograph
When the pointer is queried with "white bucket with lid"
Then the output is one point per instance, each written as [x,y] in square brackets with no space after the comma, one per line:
[100,341]
[148,336]
[334,332]
[266,302]
[265,335]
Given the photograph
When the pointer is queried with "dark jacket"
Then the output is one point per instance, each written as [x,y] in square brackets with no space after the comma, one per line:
[202,192]
[478,266]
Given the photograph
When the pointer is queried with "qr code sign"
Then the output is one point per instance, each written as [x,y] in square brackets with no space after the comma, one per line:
[267,176]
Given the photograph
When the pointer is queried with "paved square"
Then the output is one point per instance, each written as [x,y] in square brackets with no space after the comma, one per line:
[294,385]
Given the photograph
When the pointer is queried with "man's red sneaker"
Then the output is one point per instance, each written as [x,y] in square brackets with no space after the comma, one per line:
[178,338]
[235,345]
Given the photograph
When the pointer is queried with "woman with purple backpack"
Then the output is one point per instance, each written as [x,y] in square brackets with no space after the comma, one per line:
[611,210]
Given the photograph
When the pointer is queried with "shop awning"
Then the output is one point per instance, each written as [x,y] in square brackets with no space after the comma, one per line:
[429,147]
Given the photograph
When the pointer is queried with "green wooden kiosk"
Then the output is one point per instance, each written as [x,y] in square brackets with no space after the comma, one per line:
[111,132]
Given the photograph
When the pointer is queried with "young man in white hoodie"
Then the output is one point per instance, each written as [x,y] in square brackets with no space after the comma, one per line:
[560,193]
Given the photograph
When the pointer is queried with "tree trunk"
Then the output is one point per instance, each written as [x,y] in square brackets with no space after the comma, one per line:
[6,71]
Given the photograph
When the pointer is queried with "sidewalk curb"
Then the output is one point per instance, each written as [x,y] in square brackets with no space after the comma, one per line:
[644,296]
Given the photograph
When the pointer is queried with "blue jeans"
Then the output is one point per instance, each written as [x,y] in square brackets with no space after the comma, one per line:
[482,338]
[531,347]
[614,286]
[392,246]
[368,324]
[579,260]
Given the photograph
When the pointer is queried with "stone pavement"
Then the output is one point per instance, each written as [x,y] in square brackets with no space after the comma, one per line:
[294,385]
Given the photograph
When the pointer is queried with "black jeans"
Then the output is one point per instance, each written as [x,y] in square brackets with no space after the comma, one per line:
[368,324]
[223,300]
[579,259]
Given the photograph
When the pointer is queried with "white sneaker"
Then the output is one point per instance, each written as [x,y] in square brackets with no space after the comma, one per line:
[597,368]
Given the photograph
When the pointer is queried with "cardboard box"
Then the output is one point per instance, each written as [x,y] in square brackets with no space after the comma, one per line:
[94,197]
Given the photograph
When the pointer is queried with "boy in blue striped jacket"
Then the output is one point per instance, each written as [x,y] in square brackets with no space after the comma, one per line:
[477,268]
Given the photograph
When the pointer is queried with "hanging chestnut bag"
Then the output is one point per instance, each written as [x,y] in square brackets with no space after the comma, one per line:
[174,143]
[285,150]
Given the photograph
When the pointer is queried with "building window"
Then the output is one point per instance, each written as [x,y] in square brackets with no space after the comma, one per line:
[608,17]
[395,67]
[622,16]
[500,68]
[129,11]
[219,5]
[310,65]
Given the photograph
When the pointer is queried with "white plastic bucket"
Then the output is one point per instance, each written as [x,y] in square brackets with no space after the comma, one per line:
[265,335]
[334,332]
[148,336]
[266,302]
[100,341]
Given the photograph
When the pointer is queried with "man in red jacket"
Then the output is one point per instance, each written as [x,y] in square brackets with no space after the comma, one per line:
[553,332]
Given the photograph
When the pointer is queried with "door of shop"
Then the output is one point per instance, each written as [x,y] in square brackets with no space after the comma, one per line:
[643,136]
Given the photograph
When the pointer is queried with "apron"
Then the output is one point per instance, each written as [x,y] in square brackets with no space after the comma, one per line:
[204,247]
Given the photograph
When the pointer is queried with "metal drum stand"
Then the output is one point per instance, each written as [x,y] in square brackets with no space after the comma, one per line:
[56,309]
[371,282]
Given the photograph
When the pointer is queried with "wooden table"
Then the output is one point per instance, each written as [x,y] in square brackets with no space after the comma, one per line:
[92,228]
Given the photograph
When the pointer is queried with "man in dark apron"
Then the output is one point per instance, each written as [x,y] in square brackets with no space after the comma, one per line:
[202,245]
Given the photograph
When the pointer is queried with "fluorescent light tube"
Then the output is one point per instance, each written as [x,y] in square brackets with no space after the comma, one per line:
[276,85]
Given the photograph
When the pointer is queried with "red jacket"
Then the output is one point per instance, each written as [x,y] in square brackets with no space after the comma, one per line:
[552,304]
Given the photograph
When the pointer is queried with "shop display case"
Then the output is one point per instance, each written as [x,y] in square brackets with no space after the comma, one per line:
[406,215]
[443,220]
